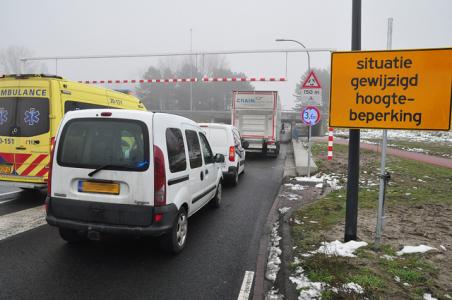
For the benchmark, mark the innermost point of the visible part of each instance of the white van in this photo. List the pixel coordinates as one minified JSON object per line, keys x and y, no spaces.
{"x":225,"y":139}
{"x":130,"y":172}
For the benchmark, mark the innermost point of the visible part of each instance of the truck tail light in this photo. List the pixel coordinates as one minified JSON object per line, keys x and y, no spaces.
{"x":159,"y":178}
{"x":232,"y":153}
{"x":49,"y":179}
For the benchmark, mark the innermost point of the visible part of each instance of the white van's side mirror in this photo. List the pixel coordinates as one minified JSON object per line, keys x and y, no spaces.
{"x":219,"y":158}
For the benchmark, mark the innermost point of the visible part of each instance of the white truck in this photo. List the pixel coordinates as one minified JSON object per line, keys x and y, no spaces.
{"x":257,"y":115}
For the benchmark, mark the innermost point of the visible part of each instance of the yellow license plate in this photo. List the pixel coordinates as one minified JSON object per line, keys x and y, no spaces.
{"x":5,"y":169}
{"x":98,"y":187}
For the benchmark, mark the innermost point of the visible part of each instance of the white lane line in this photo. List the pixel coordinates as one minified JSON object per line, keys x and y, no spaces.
{"x":21,"y":221}
{"x":6,"y":201}
{"x":247,"y":283}
{"x":9,"y":193}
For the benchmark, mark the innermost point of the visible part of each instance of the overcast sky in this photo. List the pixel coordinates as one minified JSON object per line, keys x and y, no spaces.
{"x":90,"y":27}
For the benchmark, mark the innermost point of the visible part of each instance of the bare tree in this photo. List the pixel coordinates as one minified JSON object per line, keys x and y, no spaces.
{"x":10,"y":61}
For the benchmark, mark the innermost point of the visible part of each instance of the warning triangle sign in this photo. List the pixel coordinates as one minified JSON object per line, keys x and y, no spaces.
{"x":311,"y":82}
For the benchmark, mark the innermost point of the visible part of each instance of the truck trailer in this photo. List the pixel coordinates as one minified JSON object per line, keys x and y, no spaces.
{"x":257,"y":115}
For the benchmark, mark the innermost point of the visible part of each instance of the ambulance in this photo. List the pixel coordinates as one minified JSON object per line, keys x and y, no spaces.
{"x":31,"y":108}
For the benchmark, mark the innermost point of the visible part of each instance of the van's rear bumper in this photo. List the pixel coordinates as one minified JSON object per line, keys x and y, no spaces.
{"x":120,"y":219}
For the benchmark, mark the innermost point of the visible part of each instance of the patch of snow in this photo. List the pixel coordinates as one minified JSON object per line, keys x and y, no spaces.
{"x":406,"y":284}
{"x":319,"y":185}
{"x":294,"y":187}
{"x":273,"y":295}
{"x":308,"y":289}
{"x":387,"y":257}
{"x":313,"y":222}
{"x":292,"y":197}
{"x":447,"y":296}
{"x":331,"y":180}
{"x":298,"y":222}
{"x":397,"y":278}
{"x":274,"y":252}
{"x":407,"y":135}
{"x":429,"y":297}
{"x":415,"y":249}
{"x":337,"y":248}
{"x":353,"y":287}
{"x":283,"y":210}
{"x":442,"y":247}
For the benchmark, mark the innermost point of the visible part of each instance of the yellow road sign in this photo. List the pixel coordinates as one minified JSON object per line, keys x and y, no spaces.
{"x":407,"y":89}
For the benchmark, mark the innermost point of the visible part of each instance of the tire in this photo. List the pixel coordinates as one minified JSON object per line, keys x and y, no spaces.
{"x":216,"y":201}
{"x":235,"y":178}
{"x":175,"y":240}
{"x":71,"y":236}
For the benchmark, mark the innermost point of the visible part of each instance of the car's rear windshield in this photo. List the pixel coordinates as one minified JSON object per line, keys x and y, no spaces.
{"x":114,"y":144}
{"x":24,"y":116}
{"x":218,"y":137}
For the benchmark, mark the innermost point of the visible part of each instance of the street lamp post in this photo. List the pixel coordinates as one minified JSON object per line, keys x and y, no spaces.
{"x":299,"y":43}
{"x":309,"y":71}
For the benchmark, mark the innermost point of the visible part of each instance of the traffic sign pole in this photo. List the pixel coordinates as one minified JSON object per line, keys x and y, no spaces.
{"x":351,"y":207}
{"x":310,"y":116}
{"x":309,"y":151}
{"x":382,"y":190}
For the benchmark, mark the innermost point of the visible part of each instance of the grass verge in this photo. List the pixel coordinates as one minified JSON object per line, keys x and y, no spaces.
{"x":381,"y":273}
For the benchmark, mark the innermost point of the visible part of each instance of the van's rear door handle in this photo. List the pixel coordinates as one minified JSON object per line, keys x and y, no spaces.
{"x":21,"y":148}
{"x":202,"y":175}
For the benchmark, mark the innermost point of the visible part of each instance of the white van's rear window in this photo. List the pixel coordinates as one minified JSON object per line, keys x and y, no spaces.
{"x":115,"y":143}
{"x":218,"y":137}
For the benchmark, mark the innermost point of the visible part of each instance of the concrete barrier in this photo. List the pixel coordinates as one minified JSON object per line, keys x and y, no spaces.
{"x":301,"y":159}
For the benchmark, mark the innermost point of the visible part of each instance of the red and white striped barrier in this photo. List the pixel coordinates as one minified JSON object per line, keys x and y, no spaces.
{"x":185,"y":80}
{"x":330,"y":143}
{"x":246,"y":79}
{"x":170,"y":80}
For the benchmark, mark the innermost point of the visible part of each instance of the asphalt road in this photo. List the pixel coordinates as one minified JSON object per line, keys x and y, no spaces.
{"x":222,"y":244}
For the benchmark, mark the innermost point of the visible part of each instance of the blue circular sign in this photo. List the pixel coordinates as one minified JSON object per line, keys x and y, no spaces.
{"x":310,"y":115}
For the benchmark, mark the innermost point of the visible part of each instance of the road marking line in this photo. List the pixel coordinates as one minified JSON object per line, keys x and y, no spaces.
{"x":21,"y":221}
{"x":9,"y":193}
{"x":6,"y":201}
{"x":247,"y":283}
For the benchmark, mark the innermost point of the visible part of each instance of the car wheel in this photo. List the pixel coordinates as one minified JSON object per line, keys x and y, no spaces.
{"x":175,"y":240}
{"x":235,"y":178}
{"x":216,"y":201}
{"x":71,"y":236}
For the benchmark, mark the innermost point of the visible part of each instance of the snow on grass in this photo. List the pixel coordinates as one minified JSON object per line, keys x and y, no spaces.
{"x":308,"y":289}
{"x":408,"y":135}
{"x":415,"y":249}
{"x":313,"y":290}
{"x":442,"y":247}
{"x":429,"y":297}
{"x":387,"y":257}
{"x":321,"y":179}
{"x":274,"y":252}
{"x":337,"y":248}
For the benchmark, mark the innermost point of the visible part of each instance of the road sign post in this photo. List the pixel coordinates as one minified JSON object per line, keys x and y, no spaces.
{"x":310,"y":116}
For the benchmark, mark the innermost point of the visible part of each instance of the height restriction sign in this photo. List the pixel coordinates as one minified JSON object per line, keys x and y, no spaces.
{"x":311,"y":90}
{"x":396,"y":89}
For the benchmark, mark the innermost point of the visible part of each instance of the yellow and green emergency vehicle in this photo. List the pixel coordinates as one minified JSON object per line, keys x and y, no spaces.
{"x":31,"y":108}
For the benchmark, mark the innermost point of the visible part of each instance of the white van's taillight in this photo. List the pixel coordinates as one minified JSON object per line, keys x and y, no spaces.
{"x":49,"y":178}
{"x":232,"y":153}
{"x":159,"y":178}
